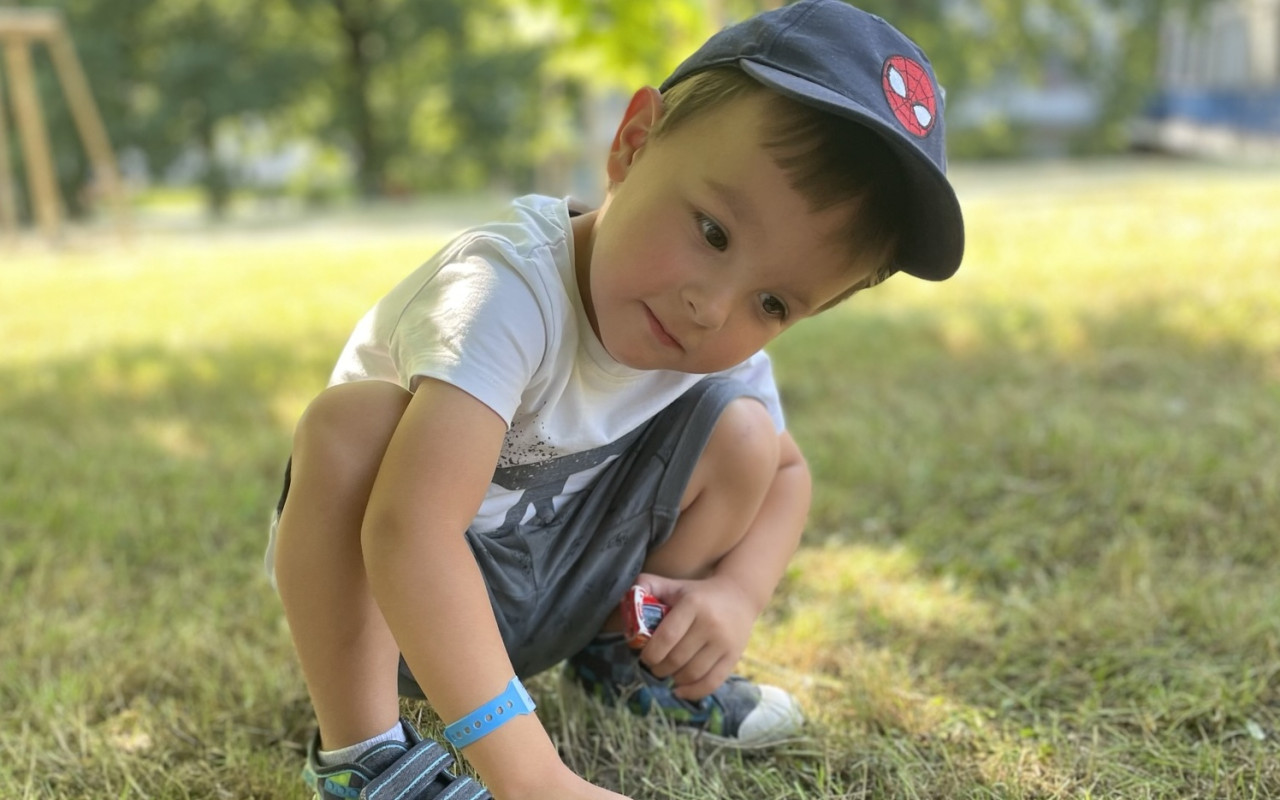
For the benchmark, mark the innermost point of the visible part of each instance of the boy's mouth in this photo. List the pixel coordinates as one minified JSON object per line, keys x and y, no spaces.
{"x":660,"y":332}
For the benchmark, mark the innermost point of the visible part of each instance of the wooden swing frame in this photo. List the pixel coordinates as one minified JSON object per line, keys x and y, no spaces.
{"x":20,"y":30}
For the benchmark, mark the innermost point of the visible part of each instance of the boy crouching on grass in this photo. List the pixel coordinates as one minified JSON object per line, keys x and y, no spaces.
{"x":558,"y":406}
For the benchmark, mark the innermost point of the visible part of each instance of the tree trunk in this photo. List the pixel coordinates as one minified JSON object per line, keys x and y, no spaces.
{"x":355,"y":18}
{"x":215,"y":180}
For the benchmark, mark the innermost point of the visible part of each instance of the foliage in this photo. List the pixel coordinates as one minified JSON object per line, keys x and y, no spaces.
{"x":181,"y":80}
{"x":456,"y":94}
{"x":1041,"y":560}
{"x":996,"y":45}
{"x":211,"y":62}
{"x":418,"y":93}
{"x":627,"y":45}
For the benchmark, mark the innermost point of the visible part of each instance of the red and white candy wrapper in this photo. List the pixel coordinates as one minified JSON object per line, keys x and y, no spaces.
{"x":641,"y":613}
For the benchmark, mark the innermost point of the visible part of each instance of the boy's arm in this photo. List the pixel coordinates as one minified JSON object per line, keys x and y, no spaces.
{"x":429,"y":588}
{"x":758,"y":562}
{"x":727,"y":602}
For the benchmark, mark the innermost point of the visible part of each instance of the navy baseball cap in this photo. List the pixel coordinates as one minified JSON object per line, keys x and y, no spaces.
{"x":842,"y":60}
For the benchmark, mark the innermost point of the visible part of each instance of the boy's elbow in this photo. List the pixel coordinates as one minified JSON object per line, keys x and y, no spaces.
{"x":402,"y":527}
{"x":794,"y":477}
{"x":791,"y":460}
{"x":386,"y":534}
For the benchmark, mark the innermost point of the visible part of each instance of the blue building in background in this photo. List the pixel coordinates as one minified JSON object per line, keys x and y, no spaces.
{"x":1219,"y":78}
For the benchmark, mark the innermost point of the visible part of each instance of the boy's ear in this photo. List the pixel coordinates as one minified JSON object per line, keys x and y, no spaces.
{"x":643,"y":112}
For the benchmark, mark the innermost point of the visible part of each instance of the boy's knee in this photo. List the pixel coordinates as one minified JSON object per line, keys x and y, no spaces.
{"x":350,"y":425}
{"x":743,"y":449}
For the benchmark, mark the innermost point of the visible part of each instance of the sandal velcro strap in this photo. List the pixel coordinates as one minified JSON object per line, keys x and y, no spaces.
{"x":464,"y":789}
{"x":414,"y":775}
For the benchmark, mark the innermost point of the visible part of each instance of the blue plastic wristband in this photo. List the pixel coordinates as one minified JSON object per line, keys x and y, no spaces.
{"x":513,"y":702}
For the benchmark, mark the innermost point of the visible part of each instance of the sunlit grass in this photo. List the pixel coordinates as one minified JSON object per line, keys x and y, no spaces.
{"x":1040,"y":563}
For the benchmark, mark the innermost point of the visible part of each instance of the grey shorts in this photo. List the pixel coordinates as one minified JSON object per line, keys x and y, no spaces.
{"x":555,"y":578}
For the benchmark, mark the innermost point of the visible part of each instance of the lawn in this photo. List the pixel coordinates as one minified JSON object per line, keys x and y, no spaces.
{"x":1041,"y":561}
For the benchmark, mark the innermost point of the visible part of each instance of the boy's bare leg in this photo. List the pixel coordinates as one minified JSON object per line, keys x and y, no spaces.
{"x":348,"y":656}
{"x":724,"y":493}
{"x":741,"y":518}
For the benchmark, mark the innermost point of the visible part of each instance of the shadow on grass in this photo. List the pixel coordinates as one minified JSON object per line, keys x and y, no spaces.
{"x":121,"y":445}
{"x":1063,"y":527}
{"x":1072,"y":523}
{"x":143,"y":647}
{"x":1123,"y":417}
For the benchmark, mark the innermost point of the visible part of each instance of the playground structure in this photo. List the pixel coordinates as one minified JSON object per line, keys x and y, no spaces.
{"x":20,"y":30}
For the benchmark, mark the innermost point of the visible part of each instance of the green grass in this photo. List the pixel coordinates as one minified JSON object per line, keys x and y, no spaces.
{"x":1041,"y":560}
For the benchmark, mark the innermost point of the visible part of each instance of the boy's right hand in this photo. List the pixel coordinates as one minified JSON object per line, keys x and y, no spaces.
{"x":703,"y":634}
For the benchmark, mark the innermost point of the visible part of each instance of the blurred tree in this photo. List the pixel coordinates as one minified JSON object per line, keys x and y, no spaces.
{"x":454,"y":94}
{"x":434,"y":95}
{"x":596,"y":51}
{"x":208,"y":63}
{"x":169,"y":74}
{"x":630,"y":45}
{"x":1108,"y":45}
{"x":427,"y":88}
{"x":363,"y":43}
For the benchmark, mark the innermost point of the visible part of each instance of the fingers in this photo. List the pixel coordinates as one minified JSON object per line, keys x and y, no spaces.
{"x":699,"y":675}
{"x":665,"y":589}
{"x":699,"y":640}
{"x":670,"y":647}
{"x":702,"y":674}
{"x":696,"y":689}
{"x":696,"y":662}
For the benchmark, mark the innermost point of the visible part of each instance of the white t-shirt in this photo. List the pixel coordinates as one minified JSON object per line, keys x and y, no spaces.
{"x":497,"y":313}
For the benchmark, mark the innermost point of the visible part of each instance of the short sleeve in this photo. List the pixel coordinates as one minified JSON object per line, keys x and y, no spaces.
{"x":475,"y":324}
{"x":757,"y":372}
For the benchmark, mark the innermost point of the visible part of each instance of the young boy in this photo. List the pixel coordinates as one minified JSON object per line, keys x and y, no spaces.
{"x":558,"y":406}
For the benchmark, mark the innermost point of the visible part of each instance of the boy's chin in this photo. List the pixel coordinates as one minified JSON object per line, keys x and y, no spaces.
{"x":641,"y":361}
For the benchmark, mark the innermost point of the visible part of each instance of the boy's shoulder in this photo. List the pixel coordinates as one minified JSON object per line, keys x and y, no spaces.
{"x":532,"y":222}
{"x":524,"y":253}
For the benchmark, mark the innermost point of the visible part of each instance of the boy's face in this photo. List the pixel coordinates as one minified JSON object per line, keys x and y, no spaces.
{"x":702,"y":252}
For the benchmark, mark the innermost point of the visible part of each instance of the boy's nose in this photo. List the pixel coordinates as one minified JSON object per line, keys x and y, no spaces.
{"x":708,"y":305}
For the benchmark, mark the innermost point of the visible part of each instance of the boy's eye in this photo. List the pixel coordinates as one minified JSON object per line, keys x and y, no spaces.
{"x":773,"y":306}
{"x":712,"y":232}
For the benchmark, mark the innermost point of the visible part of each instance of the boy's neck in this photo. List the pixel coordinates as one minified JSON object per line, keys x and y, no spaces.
{"x":583,"y":227}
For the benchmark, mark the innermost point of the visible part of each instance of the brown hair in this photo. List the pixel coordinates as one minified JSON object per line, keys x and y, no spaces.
{"x":830,"y":161}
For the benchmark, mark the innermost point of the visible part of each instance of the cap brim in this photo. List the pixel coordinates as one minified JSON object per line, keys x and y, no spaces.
{"x":934,"y":245}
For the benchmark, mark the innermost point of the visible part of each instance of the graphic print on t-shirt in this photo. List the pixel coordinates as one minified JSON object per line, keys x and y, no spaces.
{"x":542,"y":482}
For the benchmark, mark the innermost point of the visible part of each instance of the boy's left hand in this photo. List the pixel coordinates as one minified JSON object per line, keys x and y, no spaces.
{"x":703,"y":635}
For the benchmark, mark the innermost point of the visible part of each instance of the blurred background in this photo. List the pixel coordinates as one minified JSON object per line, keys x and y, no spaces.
{"x":218,"y":105}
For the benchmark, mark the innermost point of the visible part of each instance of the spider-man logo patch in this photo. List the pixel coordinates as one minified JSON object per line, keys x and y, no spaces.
{"x":910,"y":94}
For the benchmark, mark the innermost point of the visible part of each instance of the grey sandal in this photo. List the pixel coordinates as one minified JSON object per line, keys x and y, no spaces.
{"x":414,"y":770}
